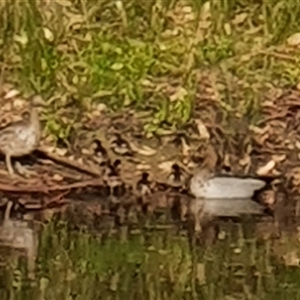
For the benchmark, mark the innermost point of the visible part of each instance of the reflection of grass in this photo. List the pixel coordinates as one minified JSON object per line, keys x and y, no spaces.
{"x":127,"y":53}
{"x":127,"y":269}
{"x":158,"y":265}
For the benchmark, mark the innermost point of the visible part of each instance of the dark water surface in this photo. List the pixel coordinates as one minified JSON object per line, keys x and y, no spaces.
{"x":249,"y":258}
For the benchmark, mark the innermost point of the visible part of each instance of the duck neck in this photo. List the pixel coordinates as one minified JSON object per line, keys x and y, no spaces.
{"x":34,"y":118}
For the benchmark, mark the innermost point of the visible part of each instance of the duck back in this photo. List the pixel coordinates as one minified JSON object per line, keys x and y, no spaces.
{"x":226,"y":188}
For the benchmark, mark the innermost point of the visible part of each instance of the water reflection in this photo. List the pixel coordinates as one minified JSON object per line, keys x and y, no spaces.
{"x":18,"y":235}
{"x":247,"y":258}
{"x":203,"y":210}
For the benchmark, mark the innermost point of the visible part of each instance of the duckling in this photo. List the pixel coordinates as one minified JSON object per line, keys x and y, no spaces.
{"x":116,"y":185}
{"x":120,"y":146}
{"x":22,"y":137}
{"x":100,"y":152}
{"x":176,"y":178}
{"x":114,"y":168}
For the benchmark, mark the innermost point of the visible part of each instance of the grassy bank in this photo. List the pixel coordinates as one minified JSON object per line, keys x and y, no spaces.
{"x":163,"y":58}
{"x":148,"y":55}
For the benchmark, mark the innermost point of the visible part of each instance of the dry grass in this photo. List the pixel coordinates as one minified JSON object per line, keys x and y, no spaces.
{"x":125,"y":53}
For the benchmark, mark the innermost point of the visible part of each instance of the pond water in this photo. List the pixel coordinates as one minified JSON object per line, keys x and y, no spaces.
{"x":70,"y":258}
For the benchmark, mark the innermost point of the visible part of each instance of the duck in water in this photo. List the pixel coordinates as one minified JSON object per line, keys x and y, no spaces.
{"x":223,"y":196}
{"x":206,"y":186}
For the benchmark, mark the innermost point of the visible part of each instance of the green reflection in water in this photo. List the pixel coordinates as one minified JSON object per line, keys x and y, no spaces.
{"x":157,"y":264}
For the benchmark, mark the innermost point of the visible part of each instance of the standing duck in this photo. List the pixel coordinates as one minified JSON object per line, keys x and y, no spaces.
{"x":21,"y":138}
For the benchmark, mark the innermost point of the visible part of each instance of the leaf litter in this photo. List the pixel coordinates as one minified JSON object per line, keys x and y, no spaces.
{"x":116,"y":166}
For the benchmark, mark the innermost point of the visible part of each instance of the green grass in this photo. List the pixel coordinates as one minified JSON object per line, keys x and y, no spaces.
{"x":139,"y":53}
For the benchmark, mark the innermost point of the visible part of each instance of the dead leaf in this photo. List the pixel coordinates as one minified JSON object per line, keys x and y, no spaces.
{"x":297,"y":144}
{"x":227,"y":28}
{"x":143,"y":150}
{"x":143,"y":167}
{"x":61,"y":151}
{"x":202,"y":130}
{"x":57,"y":177}
{"x":11,"y":94}
{"x":180,"y":94}
{"x":294,"y":40}
{"x":245,"y":161}
{"x":166,"y":166}
{"x":266,"y":169}
{"x":258,"y":130}
{"x":18,"y":103}
{"x":291,"y":258}
{"x":240,"y":18}
{"x":48,"y":34}
{"x":80,"y":160}
{"x":279,"y":157}
{"x":185,"y":147}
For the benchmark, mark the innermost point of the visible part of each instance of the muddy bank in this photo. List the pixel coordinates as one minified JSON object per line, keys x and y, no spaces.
{"x":111,"y":162}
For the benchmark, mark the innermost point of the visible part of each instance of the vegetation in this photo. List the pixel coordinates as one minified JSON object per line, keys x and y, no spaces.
{"x":147,"y":55}
{"x":151,"y":56}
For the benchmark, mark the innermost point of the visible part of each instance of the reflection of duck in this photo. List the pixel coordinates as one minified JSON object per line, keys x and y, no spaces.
{"x":228,"y":207}
{"x":17,"y":234}
{"x":22,"y":137}
{"x":143,"y":185}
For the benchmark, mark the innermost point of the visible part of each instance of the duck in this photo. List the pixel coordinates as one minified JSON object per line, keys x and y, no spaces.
{"x":120,"y":146}
{"x":225,"y":196}
{"x":22,"y":137}
{"x":205,"y":185}
{"x":177,"y":177}
{"x":112,"y":177}
{"x":100,"y":153}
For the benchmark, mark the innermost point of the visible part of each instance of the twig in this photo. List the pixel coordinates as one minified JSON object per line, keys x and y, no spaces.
{"x":72,"y":164}
{"x":46,"y":189}
{"x":278,"y":55}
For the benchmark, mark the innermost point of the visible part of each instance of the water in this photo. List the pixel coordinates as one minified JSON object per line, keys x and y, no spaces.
{"x":87,"y":255}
